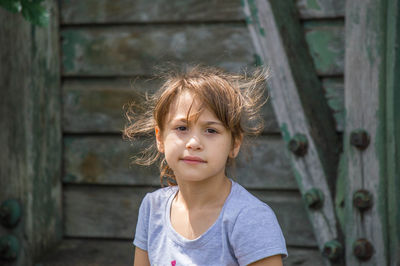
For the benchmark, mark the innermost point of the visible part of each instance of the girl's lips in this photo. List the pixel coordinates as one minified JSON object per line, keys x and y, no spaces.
{"x":193,"y":160}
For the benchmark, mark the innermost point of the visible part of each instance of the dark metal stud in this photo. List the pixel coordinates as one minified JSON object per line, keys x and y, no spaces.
{"x":332,"y":250}
{"x":314,"y":198}
{"x":360,"y":139}
{"x":362,"y":199}
{"x":298,"y":145}
{"x":363,"y":249}
{"x":9,"y":247}
{"x":10,"y":213}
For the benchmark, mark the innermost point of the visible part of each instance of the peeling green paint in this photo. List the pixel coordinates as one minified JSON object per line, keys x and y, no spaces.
{"x":254,"y":14}
{"x":71,"y":39}
{"x":285,"y":132}
{"x":313,"y":4}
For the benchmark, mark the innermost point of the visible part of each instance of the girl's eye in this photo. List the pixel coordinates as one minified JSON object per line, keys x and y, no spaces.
{"x":210,"y":130}
{"x":181,"y":128}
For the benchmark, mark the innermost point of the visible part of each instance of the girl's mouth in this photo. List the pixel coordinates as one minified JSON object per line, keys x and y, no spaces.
{"x":193,"y":160}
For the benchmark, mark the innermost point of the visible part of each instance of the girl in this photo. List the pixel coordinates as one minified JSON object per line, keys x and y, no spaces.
{"x":203,"y":217}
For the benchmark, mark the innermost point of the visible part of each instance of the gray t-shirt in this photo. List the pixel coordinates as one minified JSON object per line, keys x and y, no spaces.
{"x":245,"y":231}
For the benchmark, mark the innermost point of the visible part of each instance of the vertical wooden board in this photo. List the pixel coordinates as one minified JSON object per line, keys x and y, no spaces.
{"x":325,"y":40}
{"x":364,"y":91}
{"x":140,"y":50}
{"x":30,"y":118}
{"x":310,"y":9}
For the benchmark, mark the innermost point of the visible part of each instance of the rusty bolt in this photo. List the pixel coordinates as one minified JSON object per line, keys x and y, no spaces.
{"x":10,"y":213}
{"x":9,"y":247}
{"x":360,"y":139}
{"x":362,"y":199}
{"x":314,"y":198}
{"x":363,"y":249}
{"x":332,"y":250}
{"x":298,"y":144}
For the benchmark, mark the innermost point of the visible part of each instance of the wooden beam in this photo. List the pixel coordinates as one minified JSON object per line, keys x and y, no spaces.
{"x":300,"y":107}
{"x":30,"y":121}
{"x":366,"y":104}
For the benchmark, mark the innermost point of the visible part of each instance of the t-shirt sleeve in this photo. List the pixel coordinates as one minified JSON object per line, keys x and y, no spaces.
{"x":256,"y":235}
{"x":141,"y":233}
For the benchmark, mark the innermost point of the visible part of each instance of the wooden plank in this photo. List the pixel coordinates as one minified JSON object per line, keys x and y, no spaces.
{"x":393,"y":129}
{"x":111,"y":212}
{"x":106,"y":160}
{"x":334,"y":94}
{"x":30,"y":118}
{"x":95,"y":105}
{"x":320,"y":8}
{"x":364,"y":86}
{"x":164,"y":11}
{"x":325,"y":41}
{"x":138,"y":50}
{"x":294,"y":90}
{"x":97,"y":252}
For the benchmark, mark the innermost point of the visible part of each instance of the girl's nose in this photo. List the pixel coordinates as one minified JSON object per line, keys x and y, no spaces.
{"x":194,"y":143}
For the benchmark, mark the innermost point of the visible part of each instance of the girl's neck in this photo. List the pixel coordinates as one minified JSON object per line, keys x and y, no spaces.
{"x":206,"y":194}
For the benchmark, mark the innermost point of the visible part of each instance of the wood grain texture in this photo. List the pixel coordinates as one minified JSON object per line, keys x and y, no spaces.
{"x":30,"y":118}
{"x":325,"y":41}
{"x":164,"y":11}
{"x":140,"y":50}
{"x":96,"y":105}
{"x":364,"y":89}
{"x":98,"y":252}
{"x":277,"y":38}
{"x":111,"y":212}
{"x":334,"y":95}
{"x":106,"y":160}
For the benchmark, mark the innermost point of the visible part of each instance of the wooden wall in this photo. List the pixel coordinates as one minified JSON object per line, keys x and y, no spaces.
{"x":108,"y":44}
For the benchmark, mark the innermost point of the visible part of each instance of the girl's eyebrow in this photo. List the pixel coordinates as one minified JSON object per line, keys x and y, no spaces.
{"x":211,"y":122}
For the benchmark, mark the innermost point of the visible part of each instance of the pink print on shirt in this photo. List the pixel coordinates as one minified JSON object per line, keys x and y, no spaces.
{"x":173,"y":263}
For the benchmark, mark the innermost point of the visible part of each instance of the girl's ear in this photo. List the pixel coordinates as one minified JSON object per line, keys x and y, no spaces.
{"x":236,"y":147}
{"x":160,"y":144}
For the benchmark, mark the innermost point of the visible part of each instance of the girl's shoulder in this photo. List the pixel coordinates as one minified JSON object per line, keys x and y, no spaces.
{"x":243,"y":199}
{"x":159,"y":196}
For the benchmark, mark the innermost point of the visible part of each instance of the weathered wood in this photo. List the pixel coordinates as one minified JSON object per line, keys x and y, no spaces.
{"x":334,"y":94}
{"x":30,"y":118}
{"x":111,"y":212}
{"x":298,"y":102}
{"x":124,"y":11}
{"x":96,"y":252}
{"x":393,"y":129}
{"x":320,"y":8}
{"x":93,"y":105}
{"x":364,"y":87}
{"x":138,"y":50}
{"x":326,"y":45}
{"x":106,"y":160}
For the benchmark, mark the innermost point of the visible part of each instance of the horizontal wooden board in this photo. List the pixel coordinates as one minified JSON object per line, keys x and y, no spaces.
{"x":93,"y":105}
{"x":106,"y":160}
{"x":97,"y":252}
{"x":96,"y":105}
{"x":162,"y":11}
{"x":325,"y":41}
{"x":111,"y":212}
{"x":139,"y":50}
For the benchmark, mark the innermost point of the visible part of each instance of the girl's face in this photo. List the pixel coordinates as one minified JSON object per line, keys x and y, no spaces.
{"x":197,"y":151}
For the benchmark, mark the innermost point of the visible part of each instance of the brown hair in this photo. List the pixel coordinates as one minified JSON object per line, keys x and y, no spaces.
{"x":234,"y":99}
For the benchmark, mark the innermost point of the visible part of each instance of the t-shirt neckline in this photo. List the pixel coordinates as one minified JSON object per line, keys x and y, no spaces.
{"x":205,"y":237}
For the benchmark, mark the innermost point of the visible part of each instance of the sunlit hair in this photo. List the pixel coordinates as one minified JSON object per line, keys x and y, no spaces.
{"x":235,"y":100}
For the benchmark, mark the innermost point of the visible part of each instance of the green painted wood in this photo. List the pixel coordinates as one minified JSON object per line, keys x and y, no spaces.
{"x":310,"y":9}
{"x":334,"y":94}
{"x":96,"y":105}
{"x":326,"y":45}
{"x":163,"y":11}
{"x":106,"y":160}
{"x":30,"y":118}
{"x":393,"y":129}
{"x":100,"y":252}
{"x":299,"y":104}
{"x":137,"y":50}
{"x":365,"y":108}
{"x":111,"y":212}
